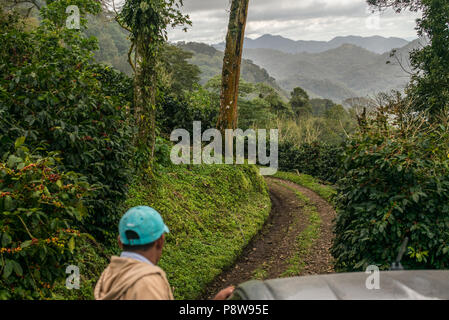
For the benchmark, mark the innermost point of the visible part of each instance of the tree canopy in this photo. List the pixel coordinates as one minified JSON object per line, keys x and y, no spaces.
{"x":300,"y":102}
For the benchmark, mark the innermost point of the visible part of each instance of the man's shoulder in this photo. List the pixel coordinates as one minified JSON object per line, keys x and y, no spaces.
{"x":131,"y":279}
{"x":154,"y":278}
{"x":152,"y":286}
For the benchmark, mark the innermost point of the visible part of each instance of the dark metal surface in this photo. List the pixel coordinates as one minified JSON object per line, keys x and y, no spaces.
{"x":394,"y":285}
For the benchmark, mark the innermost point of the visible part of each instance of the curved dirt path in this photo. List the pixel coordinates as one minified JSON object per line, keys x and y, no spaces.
{"x":319,"y":261}
{"x":270,"y":250}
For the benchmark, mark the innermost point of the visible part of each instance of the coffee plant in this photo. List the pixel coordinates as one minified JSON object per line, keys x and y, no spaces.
{"x":39,"y":207}
{"x":316,"y":159}
{"x":52,"y":94}
{"x":395,"y":184}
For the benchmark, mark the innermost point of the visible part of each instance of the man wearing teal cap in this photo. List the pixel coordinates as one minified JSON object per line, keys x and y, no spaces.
{"x":135,"y":274}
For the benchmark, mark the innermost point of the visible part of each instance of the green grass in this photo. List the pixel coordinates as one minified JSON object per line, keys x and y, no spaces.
{"x":325,"y":191}
{"x":212,"y":212}
{"x":261,"y":272}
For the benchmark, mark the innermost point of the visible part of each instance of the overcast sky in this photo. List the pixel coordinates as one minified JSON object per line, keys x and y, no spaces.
{"x":295,"y":19}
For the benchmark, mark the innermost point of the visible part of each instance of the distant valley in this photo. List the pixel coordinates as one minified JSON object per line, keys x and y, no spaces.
{"x":346,"y":71}
{"x":337,"y":74}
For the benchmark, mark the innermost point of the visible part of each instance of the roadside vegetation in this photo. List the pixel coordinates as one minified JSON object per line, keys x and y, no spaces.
{"x":212,"y":212}
{"x":394,"y":170}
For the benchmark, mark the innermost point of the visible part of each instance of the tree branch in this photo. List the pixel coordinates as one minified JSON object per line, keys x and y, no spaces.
{"x":129,"y":57}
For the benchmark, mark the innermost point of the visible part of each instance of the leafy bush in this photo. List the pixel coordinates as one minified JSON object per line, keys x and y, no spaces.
{"x":181,"y":112}
{"x":51,"y":94}
{"x":39,"y":207}
{"x":395,"y":184}
{"x":315,"y":159}
{"x":114,"y":84}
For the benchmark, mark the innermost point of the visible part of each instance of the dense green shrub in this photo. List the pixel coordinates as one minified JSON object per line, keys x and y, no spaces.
{"x":181,"y":112}
{"x":114,"y":84}
{"x":395,"y":184}
{"x":316,"y":159}
{"x":429,"y":88}
{"x":39,"y":208}
{"x":51,"y":94}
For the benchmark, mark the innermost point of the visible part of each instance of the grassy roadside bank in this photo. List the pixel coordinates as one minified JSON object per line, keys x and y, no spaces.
{"x":212,"y":212}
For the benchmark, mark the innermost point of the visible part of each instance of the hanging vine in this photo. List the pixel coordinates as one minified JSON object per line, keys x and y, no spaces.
{"x":147,"y":21}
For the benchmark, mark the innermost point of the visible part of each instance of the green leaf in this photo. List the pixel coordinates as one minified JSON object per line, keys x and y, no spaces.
{"x":89,"y":237}
{"x":25,"y":244}
{"x":8,"y":269}
{"x":8,"y":203}
{"x":17,"y":268}
{"x":71,"y":244}
{"x":12,"y":160}
{"x":6,"y":239}
{"x":19,"y":142}
{"x":81,"y":209}
{"x":43,"y":253}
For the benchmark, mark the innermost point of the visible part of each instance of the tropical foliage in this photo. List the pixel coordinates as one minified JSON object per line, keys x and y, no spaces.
{"x":41,"y":208}
{"x":53,"y":95}
{"x":394,"y":184}
{"x":394,"y":178}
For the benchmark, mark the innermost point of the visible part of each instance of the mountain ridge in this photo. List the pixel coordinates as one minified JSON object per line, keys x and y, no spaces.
{"x":377,"y":44}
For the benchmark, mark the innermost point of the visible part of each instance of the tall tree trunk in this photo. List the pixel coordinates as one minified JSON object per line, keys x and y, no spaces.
{"x":231,"y":65}
{"x":145,"y":95}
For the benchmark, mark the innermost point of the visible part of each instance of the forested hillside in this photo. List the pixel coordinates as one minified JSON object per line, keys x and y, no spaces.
{"x":343,"y":68}
{"x":341,"y":73}
{"x":210,"y":61}
{"x":114,"y":45}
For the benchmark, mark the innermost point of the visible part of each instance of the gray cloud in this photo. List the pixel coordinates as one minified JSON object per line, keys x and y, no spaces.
{"x":298,"y":20}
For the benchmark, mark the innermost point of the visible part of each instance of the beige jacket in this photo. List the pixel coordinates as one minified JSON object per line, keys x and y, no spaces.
{"x":129,"y":279}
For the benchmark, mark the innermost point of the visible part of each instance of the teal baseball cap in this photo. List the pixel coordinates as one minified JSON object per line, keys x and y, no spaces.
{"x":145,"y":222}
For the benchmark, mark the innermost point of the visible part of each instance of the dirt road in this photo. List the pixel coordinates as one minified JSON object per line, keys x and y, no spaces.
{"x":269,"y":254}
